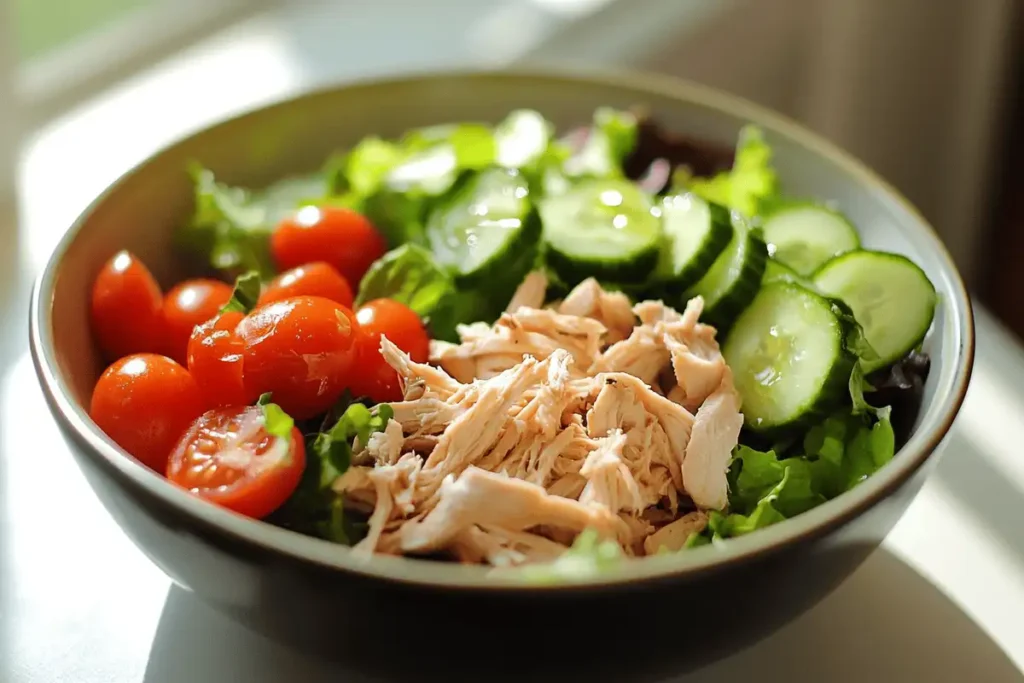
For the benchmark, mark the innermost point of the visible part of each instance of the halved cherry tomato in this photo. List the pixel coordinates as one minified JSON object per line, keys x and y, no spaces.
{"x":126,"y":308}
{"x":300,"y":350}
{"x":372,"y":376}
{"x":215,"y":361}
{"x":312,"y":279}
{"x":229,"y":458}
{"x":144,"y":402}
{"x":341,"y":237}
{"x":188,"y":304}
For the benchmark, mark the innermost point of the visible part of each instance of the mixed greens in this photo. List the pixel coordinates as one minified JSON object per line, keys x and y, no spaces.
{"x":654,"y":215}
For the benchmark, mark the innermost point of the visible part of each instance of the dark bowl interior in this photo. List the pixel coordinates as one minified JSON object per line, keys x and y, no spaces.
{"x":415,"y":618}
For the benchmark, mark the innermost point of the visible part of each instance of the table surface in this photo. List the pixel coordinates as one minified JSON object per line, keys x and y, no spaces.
{"x":78,"y":603}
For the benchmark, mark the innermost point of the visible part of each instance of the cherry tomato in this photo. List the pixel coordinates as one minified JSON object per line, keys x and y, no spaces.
{"x":228,"y":457}
{"x":300,"y":350}
{"x":188,"y":304}
{"x":215,"y":361}
{"x":126,"y":308}
{"x":144,"y":402}
{"x":312,"y":279}
{"x":372,"y":376}
{"x":341,"y":237}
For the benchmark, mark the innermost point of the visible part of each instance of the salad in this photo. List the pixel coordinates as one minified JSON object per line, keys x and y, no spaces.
{"x":501,"y":346}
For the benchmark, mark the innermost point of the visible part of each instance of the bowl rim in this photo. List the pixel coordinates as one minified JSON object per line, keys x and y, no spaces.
{"x":288,"y":545}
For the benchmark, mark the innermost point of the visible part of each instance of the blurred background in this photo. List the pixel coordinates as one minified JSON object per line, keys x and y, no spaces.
{"x":924,"y":91}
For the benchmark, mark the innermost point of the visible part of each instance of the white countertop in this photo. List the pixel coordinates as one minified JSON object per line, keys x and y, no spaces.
{"x":941,"y":601}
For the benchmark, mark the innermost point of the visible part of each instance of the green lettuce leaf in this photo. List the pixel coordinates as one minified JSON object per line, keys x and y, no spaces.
{"x":315,"y":508}
{"x":749,"y":186}
{"x":277,"y":422}
{"x":333,"y":448}
{"x":410,"y":275}
{"x":612,"y":138}
{"x":245,"y":294}
{"x":764,"y":489}
{"x":589,"y":556}
{"x":230,"y":226}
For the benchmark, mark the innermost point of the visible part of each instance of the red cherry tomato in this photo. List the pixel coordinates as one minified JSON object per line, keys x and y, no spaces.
{"x":215,"y":361}
{"x":300,"y":350}
{"x":341,"y":237}
{"x":227,"y":457}
{"x":126,"y":308}
{"x":188,"y":304}
{"x":312,"y":279}
{"x":372,"y":376}
{"x":144,"y":402}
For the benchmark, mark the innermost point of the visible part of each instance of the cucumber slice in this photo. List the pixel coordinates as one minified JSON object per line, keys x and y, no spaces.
{"x":604,"y":228}
{"x":891,"y":298}
{"x":696,"y":233}
{"x":789,"y":358}
{"x":805,"y":236}
{"x":774,"y":271}
{"x":735,"y":278}
{"x":482,"y":223}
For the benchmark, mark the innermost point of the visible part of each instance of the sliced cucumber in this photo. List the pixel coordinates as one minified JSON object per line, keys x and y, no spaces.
{"x":695,"y":233}
{"x":804,"y":236}
{"x":774,"y":271}
{"x":604,"y":228}
{"x":891,"y":297}
{"x":735,"y":277}
{"x":482,"y":224}
{"x":788,"y":356}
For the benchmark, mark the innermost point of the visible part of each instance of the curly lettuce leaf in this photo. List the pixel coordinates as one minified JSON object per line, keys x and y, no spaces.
{"x":764,"y":489}
{"x":748,"y":187}
{"x":333,"y":448}
{"x":410,"y":275}
{"x":230,"y":226}
{"x":315,"y":508}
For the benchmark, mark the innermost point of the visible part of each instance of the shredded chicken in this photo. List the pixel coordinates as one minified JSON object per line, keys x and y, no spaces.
{"x":591,"y":413}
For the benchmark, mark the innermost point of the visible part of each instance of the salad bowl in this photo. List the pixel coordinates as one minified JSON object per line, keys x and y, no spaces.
{"x":416,"y":618}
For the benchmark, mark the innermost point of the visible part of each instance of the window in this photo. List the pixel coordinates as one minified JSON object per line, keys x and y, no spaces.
{"x":60,"y":52}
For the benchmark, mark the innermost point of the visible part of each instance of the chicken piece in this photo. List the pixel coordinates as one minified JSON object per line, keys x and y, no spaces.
{"x":610,"y":484}
{"x":674,"y":419}
{"x":504,"y":347}
{"x":697,"y":360}
{"x":715,"y":433}
{"x":358,"y":488}
{"x":530,"y":293}
{"x":642,"y":355}
{"x":426,"y":415}
{"x":612,"y":309}
{"x":647,"y":452}
{"x":582,"y":337}
{"x":504,"y":548}
{"x":569,"y":485}
{"x":385,"y":447}
{"x":382,"y":478}
{"x":488,"y":499}
{"x":542,"y":413}
{"x":653,"y":312}
{"x":673,"y":536}
{"x":440,"y":383}
{"x":474,"y":432}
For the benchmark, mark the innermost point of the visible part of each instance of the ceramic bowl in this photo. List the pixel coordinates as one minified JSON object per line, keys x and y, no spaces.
{"x":416,"y":618}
